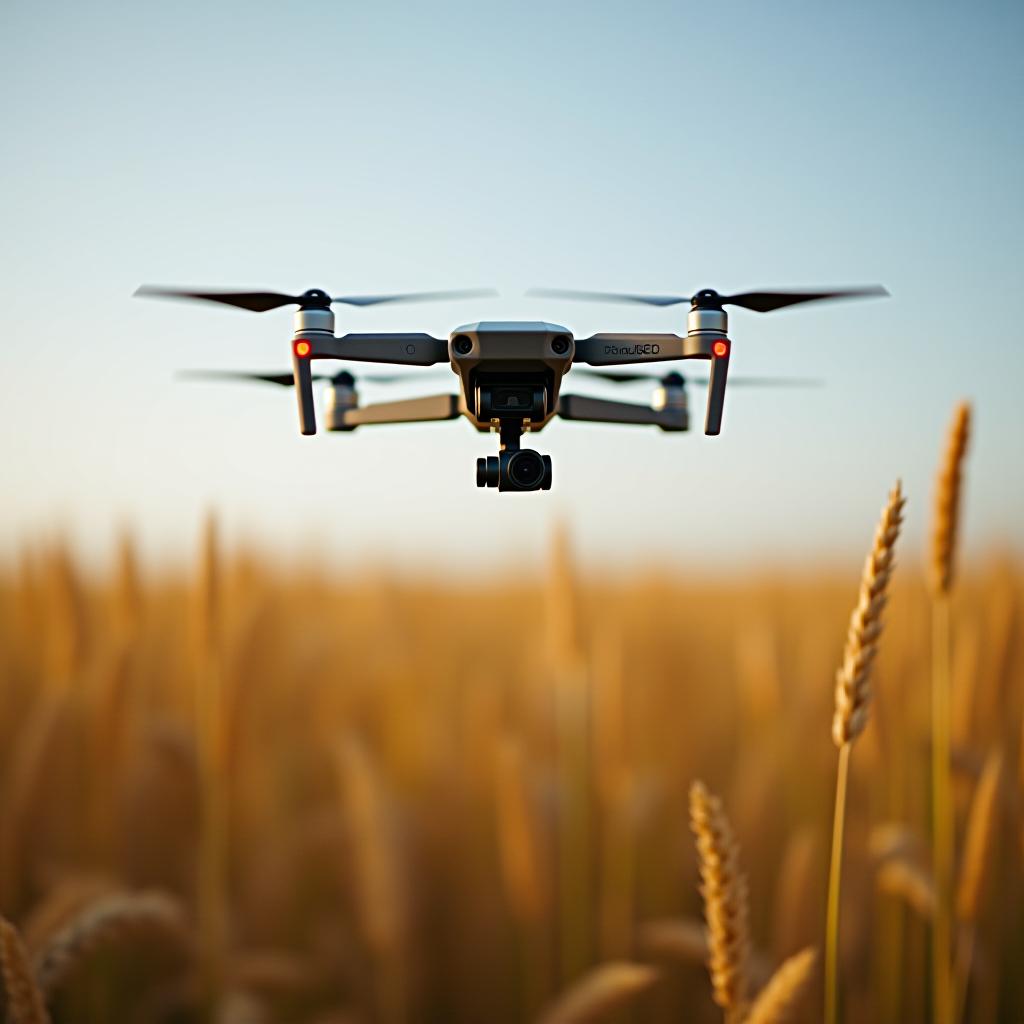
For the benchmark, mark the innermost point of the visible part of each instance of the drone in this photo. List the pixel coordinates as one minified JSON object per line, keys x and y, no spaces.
{"x":510,"y":372}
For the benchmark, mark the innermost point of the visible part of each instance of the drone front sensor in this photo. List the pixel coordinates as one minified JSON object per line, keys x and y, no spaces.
{"x":510,"y":373}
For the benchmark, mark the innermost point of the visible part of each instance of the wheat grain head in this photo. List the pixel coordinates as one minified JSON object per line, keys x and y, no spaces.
{"x":724,"y":889}
{"x":24,"y":1000}
{"x":599,"y":992}
{"x":946,"y":510}
{"x":911,"y":881}
{"x":775,"y":1003}
{"x":110,"y":920}
{"x":853,"y":679}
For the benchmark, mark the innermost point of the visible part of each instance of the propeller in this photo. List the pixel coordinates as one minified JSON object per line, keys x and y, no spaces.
{"x":708,"y":298}
{"x":314,"y":298}
{"x":287,"y":380}
{"x":676,"y":378}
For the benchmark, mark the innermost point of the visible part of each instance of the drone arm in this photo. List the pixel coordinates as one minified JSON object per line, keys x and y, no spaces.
{"x":404,"y":349}
{"x":304,"y":393}
{"x":716,"y":388}
{"x":602,"y":410}
{"x":613,"y":349}
{"x":410,"y":410}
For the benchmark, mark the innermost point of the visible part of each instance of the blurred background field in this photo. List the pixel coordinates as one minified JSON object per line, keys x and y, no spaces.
{"x":380,"y":797}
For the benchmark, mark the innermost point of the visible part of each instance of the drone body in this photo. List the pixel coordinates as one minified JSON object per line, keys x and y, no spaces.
{"x":510,"y":373}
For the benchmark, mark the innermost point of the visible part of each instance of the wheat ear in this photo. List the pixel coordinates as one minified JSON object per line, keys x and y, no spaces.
{"x":852,"y":697}
{"x":782,"y":993}
{"x":24,"y":1000}
{"x":945,"y":526}
{"x":946,"y":511}
{"x":910,"y":881}
{"x":109,"y":921}
{"x":599,"y":992}
{"x":853,"y":679}
{"x":724,"y":889}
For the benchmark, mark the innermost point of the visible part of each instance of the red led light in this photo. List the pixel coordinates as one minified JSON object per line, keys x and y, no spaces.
{"x":303,"y":348}
{"x":721,"y":349}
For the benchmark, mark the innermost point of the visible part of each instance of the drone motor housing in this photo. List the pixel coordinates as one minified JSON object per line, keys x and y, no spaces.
{"x":340,"y":396}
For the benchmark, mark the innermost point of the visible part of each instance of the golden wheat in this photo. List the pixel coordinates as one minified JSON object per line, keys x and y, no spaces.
{"x":23,"y":997}
{"x":782,"y":994}
{"x":982,"y":828}
{"x":910,"y":881}
{"x":599,"y":993}
{"x":724,"y":888}
{"x":853,"y":679}
{"x":946,"y":507}
{"x":109,"y":921}
{"x":852,"y":696}
{"x":945,"y":526}
{"x":979,"y":839}
{"x":472,"y":791}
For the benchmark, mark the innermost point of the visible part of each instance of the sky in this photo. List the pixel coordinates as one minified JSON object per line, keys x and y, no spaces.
{"x":375,"y":147}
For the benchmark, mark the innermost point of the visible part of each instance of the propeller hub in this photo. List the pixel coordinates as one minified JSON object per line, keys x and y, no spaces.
{"x":706,"y":298}
{"x":314,"y":298}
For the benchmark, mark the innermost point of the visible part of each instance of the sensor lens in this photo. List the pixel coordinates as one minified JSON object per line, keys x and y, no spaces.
{"x":526,"y":469}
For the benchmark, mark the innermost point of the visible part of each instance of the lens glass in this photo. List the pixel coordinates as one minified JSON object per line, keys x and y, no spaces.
{"x":525,"y":469}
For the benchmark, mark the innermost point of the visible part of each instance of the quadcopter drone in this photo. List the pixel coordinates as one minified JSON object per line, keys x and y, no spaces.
{"x":510,"y":372}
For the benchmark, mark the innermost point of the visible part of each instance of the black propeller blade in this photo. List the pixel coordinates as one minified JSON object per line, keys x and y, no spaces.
{"x":315,"y":298}
{"x":751,"y":382}
{"x":569,"y":293}
{"x":766,"y":302}
{"x":708,"y":298}
{"x":287,"y":379}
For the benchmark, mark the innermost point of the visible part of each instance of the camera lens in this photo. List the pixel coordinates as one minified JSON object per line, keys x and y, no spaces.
{"x":560,"y":345}
{"x":526,"y":469}
{"x":463,"y":344}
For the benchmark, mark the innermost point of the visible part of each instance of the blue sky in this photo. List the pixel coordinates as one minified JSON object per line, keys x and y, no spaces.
{"x":384,"y":146}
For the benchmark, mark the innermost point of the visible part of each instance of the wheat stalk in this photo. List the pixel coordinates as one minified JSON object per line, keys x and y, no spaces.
{"x":724,"y":889}
{"x":945,"y":526}
{"x":775,"y":1003}
{"x":109,"y":921}
{"x":852,"y":697}
{"x":978,"y":846}
{"x":599,"y":992}
{"x":24,"y":999}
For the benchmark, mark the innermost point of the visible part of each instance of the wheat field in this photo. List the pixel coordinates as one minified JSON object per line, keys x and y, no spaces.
{"x":250,"y":793}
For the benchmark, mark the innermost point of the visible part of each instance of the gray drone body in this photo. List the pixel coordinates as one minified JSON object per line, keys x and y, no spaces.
{"x":510,"y":373}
